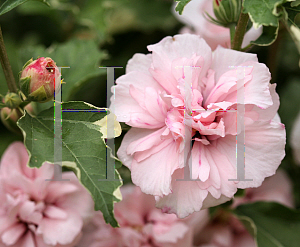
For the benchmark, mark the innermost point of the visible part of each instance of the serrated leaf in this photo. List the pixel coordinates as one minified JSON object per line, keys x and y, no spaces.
{"x":81,"y":56}
{"x":268,"y":36}
{"x":8,"y":5}
{"x":82,"y":143}
{"x":276,"y":225}
{"x":263,"y":12}
{"x":180,"y":5}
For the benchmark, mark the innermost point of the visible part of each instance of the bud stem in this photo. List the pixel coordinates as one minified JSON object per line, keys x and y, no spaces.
{"x":11,"y":83}
{"x":232,"y":31}
{"x":240,"y":31}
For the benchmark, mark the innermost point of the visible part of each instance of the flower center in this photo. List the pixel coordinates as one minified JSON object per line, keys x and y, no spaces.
{"x":187,"y":115}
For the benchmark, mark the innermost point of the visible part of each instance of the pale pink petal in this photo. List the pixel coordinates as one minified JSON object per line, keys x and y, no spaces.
{"x":153,"y":177}
{"x":60,"y":231}
{"x":134,"y":135}
{"x":145,"y":143}
{"x":72,"y":196}
{"x":170,"y":48}
{"x":126,"y":109}
{"x":175,"y":232}
{"x":186,"y":196}
{"x":224,"y":59}
{"x":130,"y":237}
{"x":46,"y":171}
{"x":12,"y":234}
{"x":277,"y":188}
{"x":53,"y":212}
{"x":14,"y":161}
{"x":200,"y":169}
{"x":214,"y":35}
{"x":269,"y":139}
{"x":139,"y":62}
{"x":251,"y":35}
{"x":193,"y":15}
{"x":136,"y":204}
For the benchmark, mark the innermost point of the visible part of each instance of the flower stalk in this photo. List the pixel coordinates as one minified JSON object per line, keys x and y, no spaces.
{"x":11,"y":83}
{"x":240,"y":31}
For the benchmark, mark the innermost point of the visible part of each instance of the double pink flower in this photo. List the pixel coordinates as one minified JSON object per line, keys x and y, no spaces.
{"x":182,"y":88}
{"x":35,"y":212}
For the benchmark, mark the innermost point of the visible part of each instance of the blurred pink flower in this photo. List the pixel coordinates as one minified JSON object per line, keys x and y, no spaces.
{"x":214,"y":35}
{"x":141,"y":225}
{"x":295,"y":139}
{"x":35,"y":212}
{"x":277,"y":188}
{"x":227,"y":231}
{"x":153,"y":98}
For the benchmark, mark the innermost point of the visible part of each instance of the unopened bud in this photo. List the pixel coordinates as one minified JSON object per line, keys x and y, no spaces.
{"x":12,"y":100}
{"x":37,"y":81}
{"x":226,"y":12}
{"x":9,"y":117}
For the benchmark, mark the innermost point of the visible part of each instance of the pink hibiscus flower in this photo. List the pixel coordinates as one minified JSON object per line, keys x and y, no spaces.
{"x":214,"y":35}
{"x":225,"y":230}
{"x":35,"y":212}
{"x":167,"y":104}
{"x":141,"y":225}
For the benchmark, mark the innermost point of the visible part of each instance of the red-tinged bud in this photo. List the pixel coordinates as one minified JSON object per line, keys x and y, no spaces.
{"x":37,"y":81}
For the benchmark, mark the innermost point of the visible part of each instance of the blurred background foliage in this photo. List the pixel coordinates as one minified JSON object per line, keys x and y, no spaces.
{"x":86,"y":34}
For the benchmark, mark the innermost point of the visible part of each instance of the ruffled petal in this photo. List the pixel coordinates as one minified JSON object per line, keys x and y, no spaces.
{"x":155,"y":177}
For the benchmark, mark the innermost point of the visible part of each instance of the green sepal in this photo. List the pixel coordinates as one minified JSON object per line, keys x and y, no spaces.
{"x":227,"y":12}
{"x":25,"y":85}
{"x":27,"y":63}
{"x":2,"y":105}
{"x":12,"y":100}
{"x":39,"y":95}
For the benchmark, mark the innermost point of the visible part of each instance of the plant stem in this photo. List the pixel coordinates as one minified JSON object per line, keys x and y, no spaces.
{"x":240,"y":32}
{"x":232,"y":31}
{"x":11,"y":83}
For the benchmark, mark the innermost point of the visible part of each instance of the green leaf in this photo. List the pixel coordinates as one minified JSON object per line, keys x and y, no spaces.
{"x":295,"y":3}
{"x":263,"y":12}
{"x":8,"y":5}
{"x":81,"y":56}
{"x":82,"y":143}
{"x":292,"y":11}
{"x":180,"y":5}
{"x":268,"y":36}
{"x":276,"y":225}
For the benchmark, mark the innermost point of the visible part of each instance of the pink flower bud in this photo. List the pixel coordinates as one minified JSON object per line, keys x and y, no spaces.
{"x":37,"y":81}
{"x":9,"y":117}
